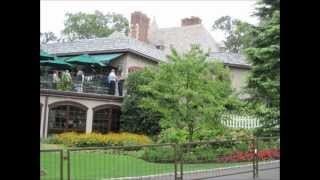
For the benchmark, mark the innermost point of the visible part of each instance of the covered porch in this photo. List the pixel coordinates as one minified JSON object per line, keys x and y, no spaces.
{"x":85,"y":113}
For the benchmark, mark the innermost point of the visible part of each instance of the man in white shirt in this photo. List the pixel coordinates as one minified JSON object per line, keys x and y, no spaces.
{"x":80,"y":80}
{"x":56,"y":79}
{"x":112,"y":78}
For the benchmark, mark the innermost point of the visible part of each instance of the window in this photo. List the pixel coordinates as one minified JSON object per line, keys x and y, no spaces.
{"x":68,"y":117}
{"x":101,"y":120}
{"x":106,"y":119}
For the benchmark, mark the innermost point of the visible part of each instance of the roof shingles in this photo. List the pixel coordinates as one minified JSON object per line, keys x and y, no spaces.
{"x":119,"y":42}
{"x":112,"y":43}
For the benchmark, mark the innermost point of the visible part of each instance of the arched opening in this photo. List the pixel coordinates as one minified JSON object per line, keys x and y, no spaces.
{"x":66,"y":117}
{"x":106,"y":119}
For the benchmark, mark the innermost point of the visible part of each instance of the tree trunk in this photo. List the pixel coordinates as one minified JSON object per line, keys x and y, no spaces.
{"x":191,"y":132}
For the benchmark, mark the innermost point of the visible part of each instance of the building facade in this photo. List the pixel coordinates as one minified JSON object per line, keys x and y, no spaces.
{"x":145,"y":46}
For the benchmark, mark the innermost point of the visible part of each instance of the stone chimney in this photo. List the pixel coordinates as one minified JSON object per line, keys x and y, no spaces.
{"x":190,"y":21}
{"x":139,"y":26}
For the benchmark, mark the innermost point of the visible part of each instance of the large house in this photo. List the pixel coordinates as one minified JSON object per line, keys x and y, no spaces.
{"x":146,"y":45}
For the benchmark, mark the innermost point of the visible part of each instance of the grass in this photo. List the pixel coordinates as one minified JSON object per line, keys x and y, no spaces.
{"x":100,"y":165}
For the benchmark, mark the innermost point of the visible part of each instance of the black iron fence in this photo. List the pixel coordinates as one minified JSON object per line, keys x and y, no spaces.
{"x":196,"y":160}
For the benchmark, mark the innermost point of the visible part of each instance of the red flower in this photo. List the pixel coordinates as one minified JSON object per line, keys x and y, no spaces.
{"x":265,"y":154}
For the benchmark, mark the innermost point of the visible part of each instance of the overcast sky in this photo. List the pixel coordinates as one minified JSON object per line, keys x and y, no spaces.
{"x":167,"y":13}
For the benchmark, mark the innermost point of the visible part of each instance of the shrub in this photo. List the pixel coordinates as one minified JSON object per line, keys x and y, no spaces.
{"x":173,"y":135}
{"x":201,"y":154}
{"x":191,"y":154}
{"x":204,"y":134}
{"x":158,"y":154}
{"x":49,"y":140}
{"x":268,"y":144}
{"x":134,"y":118}
{"x":96,"y":139}
{"x":238,"y":134}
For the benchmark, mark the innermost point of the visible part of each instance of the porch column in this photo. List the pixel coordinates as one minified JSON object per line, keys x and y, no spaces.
{"x":42,"y":121}
{"x":89,"y":120}
{"x":45,"y":118}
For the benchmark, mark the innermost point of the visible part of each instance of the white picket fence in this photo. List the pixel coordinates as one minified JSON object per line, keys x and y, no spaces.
{"x":237,"y":121}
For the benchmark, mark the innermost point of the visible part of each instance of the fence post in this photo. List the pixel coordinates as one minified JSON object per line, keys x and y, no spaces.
{"x":254,"y":158}
{"x":175,"y":161}
{"x":61,"y":164}
{"x":257,"y":157}
{"x":68,"y":165}
{"x":181,"y":157}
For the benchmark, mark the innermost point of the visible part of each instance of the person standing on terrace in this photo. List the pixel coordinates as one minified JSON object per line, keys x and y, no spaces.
{"x":56,"y":79}
{"x":120,"y":83}
{"x":80,"y":80}
{"x":112,"y":78}
{"x":66,"y":81}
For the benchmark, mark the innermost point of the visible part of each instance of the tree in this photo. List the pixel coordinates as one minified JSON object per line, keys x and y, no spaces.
{"x":264,"y":54}
{"x":84,"y":26}
{"x":234,"y":30}
{"x":47,"y":37}
{"x":134,"y":118}
{"x":186,"y":93}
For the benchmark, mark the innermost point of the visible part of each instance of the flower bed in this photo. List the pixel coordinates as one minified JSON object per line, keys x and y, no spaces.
{"x":72,"y":139}
{"x":266,"y":154}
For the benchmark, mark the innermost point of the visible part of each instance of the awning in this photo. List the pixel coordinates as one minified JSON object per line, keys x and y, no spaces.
{"x":100,"y":60}
{"x":45,"y":56}
{"x":84,"y":60}
{"x":106,"y":58}
{"x":57,"y":62}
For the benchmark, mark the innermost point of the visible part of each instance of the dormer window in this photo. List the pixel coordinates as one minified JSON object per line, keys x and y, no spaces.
{"x":161,"y":47}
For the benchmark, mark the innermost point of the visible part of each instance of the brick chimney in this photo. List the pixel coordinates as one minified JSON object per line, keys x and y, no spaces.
{"x":139,"y":26}
{"x":190,"y":21}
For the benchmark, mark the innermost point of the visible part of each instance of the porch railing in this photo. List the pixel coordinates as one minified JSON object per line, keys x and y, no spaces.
{"x":96,"y":86}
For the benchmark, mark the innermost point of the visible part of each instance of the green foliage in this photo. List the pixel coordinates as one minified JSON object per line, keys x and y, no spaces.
{"x":204,"y":133}
{"x":158,"y":154}
{"x":207,"y":133}
{"x":47,"y":37}
{"x":84,"y":26}
{"x":265,"y":8}
{"x":239,"y":134}
{"x":173,"y":135}
{"x":195,"y":153}
{"x":185,"y":92}
{"x":269,"y":144}
{"x":134,"y":118}
{"x":49,"y":140}
{"x":234,"y":30}
{"x":263,"y":52}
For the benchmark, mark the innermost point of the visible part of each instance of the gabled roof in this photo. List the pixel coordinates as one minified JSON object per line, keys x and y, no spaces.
{"x":231,"y":59}
{"x":115,"y":42}
{"x":118,"y":42}
{"x":182,"y":37}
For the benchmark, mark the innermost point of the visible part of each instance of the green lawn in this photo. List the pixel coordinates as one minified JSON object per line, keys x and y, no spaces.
{"x":99,"y":165}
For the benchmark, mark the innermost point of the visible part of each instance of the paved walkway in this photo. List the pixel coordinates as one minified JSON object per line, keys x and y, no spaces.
{"x":271,"y":174}
{"x":267,"y":171}
{"x":242,"y":172}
